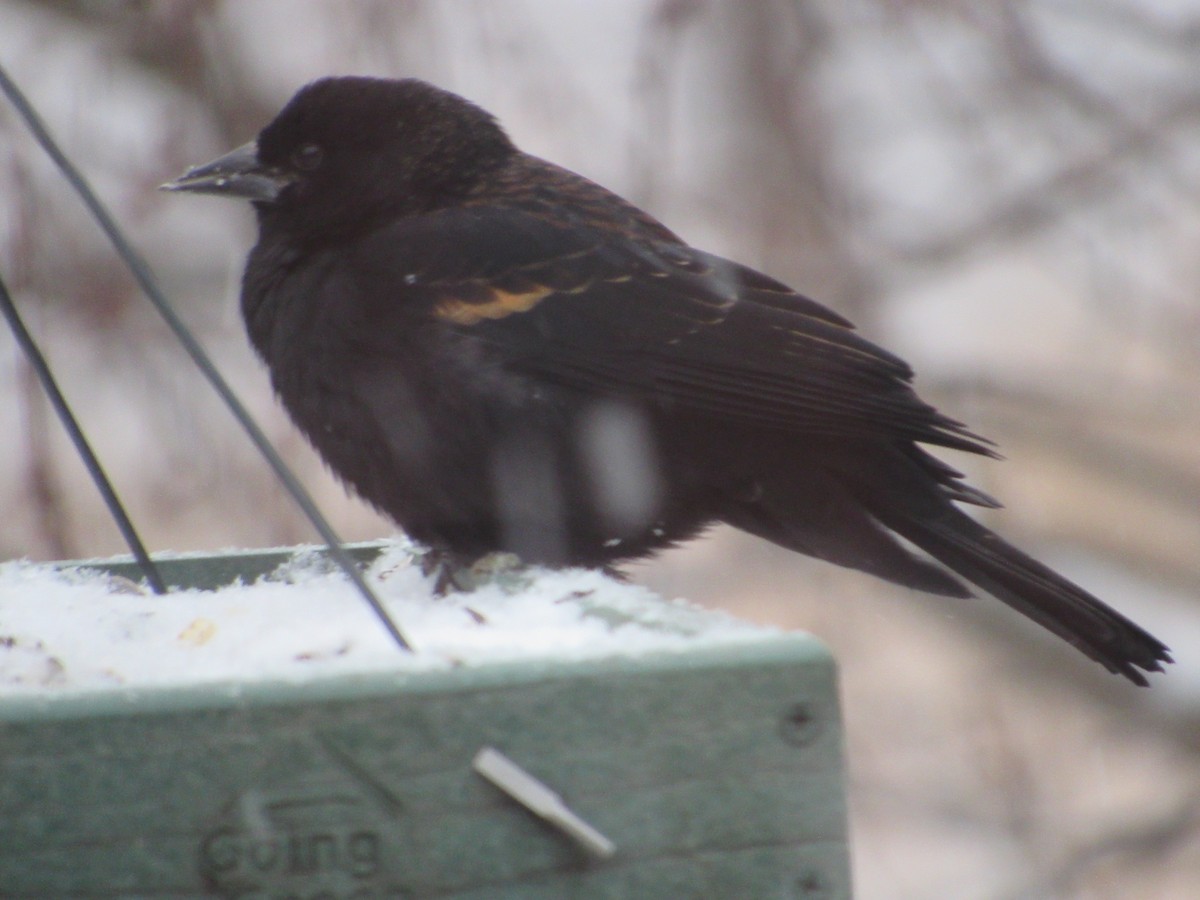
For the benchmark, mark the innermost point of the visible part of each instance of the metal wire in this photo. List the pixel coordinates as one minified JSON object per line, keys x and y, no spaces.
{"x":141,"y":272}
{"x":90,"y":461}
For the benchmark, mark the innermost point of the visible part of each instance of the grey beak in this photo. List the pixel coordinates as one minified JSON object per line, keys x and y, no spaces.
{"x":236,"y":174}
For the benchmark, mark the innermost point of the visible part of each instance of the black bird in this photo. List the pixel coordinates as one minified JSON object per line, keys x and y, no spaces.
{"x":504,"y":356}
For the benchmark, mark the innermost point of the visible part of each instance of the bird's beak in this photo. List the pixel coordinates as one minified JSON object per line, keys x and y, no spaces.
{"x":236,"y":174}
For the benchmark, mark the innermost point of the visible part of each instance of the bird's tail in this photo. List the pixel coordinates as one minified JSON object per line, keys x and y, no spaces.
{"x":1033,"y":589}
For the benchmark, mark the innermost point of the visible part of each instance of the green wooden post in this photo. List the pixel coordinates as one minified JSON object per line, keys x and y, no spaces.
{"x":715,"y":771}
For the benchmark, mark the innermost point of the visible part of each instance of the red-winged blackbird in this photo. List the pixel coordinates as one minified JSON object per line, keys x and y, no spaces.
{"x":504,"y":356}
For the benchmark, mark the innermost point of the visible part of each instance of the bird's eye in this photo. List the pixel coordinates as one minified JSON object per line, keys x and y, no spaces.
{"x":308,"y":157}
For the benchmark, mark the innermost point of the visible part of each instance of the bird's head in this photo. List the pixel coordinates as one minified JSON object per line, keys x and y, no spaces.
{"x":347,"y":153}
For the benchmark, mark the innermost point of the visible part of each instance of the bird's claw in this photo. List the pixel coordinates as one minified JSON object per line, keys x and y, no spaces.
{"x":452,"y":574}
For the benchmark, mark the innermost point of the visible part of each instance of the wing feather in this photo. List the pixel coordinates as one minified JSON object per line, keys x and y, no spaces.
{"x":607,"y":314}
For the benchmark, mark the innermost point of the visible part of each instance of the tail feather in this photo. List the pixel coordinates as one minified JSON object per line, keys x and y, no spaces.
{"x":849,"y":503}
{"x":1033,"y":589}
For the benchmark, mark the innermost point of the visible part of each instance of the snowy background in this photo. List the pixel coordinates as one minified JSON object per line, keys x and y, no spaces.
{"x":1008,"y":194}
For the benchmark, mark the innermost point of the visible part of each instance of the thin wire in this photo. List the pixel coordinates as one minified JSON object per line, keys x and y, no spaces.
{"x":71,"y":424}
{"x":141,"y":272}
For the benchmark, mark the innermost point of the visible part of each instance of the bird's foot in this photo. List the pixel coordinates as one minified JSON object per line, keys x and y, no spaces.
{"x":453,"y":573}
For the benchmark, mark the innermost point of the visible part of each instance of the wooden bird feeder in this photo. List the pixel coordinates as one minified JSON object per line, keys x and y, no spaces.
{"x":711,"y":771}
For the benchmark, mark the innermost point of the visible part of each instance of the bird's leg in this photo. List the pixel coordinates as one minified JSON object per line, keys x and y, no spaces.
{"x":454,"y":573}
{"x":442,"y":566}
{"x":611,"y":571}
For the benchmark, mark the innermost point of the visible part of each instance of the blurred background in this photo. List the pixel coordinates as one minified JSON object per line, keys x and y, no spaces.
{"x":1005,"y":193}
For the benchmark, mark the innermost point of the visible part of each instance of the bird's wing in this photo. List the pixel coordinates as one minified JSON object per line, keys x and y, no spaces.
{"x":601,"y":312}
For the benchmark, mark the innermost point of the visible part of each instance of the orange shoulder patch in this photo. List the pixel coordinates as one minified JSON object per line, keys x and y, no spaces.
{"x":497,"y":305}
